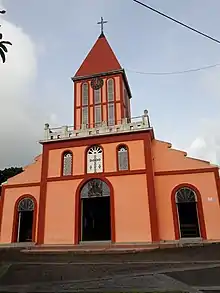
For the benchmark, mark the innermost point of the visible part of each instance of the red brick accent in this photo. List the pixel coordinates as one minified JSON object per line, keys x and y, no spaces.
{"x":2,"y":198}
{"x":43,"y":193}
{"x":94,"y":175}
{"x":74,"y":107}
{"x":20,"y":185}
{"x":186,"y":171}
{"x":217,"y":180}
{"x":151,"y":188}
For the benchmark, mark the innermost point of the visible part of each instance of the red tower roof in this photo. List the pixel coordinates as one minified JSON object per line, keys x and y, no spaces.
{"x":100,"y":59}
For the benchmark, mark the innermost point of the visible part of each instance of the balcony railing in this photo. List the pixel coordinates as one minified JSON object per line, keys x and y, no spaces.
{"x":125,"y":125}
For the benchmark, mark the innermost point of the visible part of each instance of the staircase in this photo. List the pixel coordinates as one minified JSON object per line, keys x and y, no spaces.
{"x":94,"y":247}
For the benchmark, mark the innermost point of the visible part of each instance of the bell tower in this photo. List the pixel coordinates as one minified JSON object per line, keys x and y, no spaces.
{"x":101,"y":90}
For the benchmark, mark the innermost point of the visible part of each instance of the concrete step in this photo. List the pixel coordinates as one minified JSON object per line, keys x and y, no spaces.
{"x":89,"y":248}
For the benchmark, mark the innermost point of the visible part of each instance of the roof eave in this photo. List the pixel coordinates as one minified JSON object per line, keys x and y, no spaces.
{"x":121,"y":71}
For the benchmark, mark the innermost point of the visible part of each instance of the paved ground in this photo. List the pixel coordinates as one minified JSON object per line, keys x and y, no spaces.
{"x":190,"y":269}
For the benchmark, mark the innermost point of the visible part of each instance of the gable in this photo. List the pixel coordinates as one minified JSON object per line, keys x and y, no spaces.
{"x":167,"y":159}
{"x":31,"y":173}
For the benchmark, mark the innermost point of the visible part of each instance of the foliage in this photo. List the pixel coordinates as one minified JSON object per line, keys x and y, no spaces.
{"x":8,"y":173}
{"x":3,"y":48}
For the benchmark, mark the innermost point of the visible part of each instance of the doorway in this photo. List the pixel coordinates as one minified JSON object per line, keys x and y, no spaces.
{"x":186,"y":202}
{"x":25,"y":220}
{"x":95,"y":211}
{"x":96,"y":224}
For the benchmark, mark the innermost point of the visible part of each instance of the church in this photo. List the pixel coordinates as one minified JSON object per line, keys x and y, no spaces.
{"x":107,"y":179}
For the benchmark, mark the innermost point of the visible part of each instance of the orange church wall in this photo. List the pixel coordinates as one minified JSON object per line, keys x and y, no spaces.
{"x":136,"y":155}
{"x":168,"y":159}
{"x":205,"y":183}
{"x":136,"y":158}
{"x":60,"y":212}
{"x":132,"y":221}
{"x":10,"y":198}
{"x":31,"y":173}
{"x":55,"y":157}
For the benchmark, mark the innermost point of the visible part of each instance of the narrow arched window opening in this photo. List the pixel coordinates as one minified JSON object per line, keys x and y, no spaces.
{"x":67,"y":163}
{"x":111,"y":98}
{"x":85,"y":102}
{"x":97,"y":96}
{"x":123,"y":163}
{"x":85,"y":94}
{"x":95,"y":160}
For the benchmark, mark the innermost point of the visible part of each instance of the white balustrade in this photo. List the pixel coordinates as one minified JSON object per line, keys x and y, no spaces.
{"x":126,"y":125}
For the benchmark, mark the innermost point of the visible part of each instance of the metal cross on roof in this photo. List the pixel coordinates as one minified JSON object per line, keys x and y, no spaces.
{"x":102,"y":22}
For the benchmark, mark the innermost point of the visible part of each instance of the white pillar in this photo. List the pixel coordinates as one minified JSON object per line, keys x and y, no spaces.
{"x":46,"y":131}
{"x":64,"y":131}
{"x":145,"y":118}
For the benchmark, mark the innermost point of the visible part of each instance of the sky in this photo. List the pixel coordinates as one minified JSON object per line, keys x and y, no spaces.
{"x":51,"y":39}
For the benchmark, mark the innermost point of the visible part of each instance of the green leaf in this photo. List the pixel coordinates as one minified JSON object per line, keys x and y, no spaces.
{"x":6,"y":43}
{"x":2,"y":55}
{"x":3,"y":47}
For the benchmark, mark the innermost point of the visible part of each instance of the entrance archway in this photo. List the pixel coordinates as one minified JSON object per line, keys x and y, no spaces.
{"x":187,"y":209}
{"x":25,"y":220}
{"x":95,"y":207}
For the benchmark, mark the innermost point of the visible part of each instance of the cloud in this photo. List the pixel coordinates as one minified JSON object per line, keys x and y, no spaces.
{"x":206,"y":145}
{"x":18,"y":131}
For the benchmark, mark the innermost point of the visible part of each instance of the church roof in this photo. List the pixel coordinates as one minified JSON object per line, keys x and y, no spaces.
{"x":100,"y":59}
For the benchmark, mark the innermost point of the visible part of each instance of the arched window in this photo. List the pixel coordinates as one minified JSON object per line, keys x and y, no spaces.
{"x":111,"y":98}
{"x":67,"y":163}
{"x":25,"y":205}
{"x":85,"y":94}
{"x":123,"y":158}
{"x":95,"y":188}
{"x":185,"y":195}
{"x":97,"y":96}
{"x":110,"y":90}
{"x":186,"y":202}
{"x":95,"y":160}
{"x":98,"y":108}
{"x":85,"y":101}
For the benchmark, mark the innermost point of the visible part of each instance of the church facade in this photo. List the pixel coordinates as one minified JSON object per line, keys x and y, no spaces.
{"x":107,"y":178}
